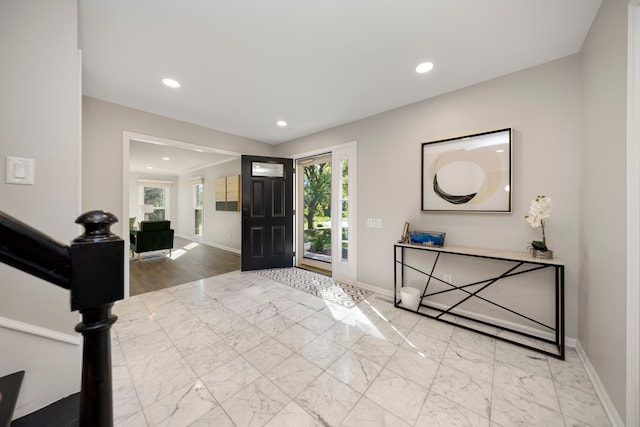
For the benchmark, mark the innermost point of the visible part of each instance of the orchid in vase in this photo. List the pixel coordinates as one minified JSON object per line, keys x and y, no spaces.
{"x":539,"y":211}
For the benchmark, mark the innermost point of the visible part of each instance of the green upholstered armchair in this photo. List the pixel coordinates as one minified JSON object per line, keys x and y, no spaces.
{"x":152,"y":236}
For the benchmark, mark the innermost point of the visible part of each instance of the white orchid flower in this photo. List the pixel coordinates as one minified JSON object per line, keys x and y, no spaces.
{"x":541,"y":207}
{"x":533,"y":221}
{"x":539,"y":210}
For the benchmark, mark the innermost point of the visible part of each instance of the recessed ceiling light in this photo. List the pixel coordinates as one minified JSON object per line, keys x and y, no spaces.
{"x":166,"y":158}
{"x":149,"y":167}
{"x":171,"y":83}
{"x":424,"y":67}
{"x":281,"y":123}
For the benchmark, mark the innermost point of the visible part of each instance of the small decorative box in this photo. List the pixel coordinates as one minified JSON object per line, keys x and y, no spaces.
{"x":427,"y":238}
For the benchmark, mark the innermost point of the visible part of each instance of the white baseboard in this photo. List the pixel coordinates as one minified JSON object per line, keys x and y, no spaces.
{"x":226,"y":248}
{"x":215,"y":245}
{"x":607,"y":404}
{"x":381,"y":291}
{"x":39,"y":331}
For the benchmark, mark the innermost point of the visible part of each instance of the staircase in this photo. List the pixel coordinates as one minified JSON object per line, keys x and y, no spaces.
{"x":92,"y":269}
{"x":9,"y":389}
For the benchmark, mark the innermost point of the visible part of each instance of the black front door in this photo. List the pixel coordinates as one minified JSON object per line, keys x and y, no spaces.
{"x":267,"y":212}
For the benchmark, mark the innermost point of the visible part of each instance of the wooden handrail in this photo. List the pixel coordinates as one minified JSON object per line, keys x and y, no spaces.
{"x":92,"y":268}
{"x":31,"y":251}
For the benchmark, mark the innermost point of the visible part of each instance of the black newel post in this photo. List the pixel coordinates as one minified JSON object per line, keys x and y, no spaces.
{"x":97,"y":281}
{"x":92,"y":268}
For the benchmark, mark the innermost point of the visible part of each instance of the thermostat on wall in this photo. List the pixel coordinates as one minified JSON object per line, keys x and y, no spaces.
{"x":19,"y":171}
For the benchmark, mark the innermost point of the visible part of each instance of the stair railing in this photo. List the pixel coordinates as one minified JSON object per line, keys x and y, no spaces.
{"x":92,"y":269}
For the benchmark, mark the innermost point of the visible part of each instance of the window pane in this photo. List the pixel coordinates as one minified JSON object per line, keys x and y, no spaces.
{"x":157,"y":215}
{"x":272,"y":170}
{"x":198,"y":195}
{"x":317,"y":211}
{"x":198,"y":222}
{"x":198,"y":201}
{"x":154,"y":196}
{"x":344,"y":210}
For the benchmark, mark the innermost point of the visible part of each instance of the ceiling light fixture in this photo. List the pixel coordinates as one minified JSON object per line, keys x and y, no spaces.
{"x":424,"y":67}
{"x":171,"y":83}
{"x":281,"y":123}
{"x":166,"y":158}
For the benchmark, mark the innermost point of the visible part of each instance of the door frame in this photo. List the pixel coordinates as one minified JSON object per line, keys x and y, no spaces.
{"x":346,"y":272}
{"x":633,"y":215}
{"x":299,"y":219}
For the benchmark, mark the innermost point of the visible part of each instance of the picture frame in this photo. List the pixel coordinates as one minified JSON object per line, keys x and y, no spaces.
{"x":470,"y":173}
{"x":405,"y":233}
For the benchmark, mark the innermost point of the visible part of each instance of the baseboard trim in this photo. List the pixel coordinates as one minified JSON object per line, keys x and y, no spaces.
{"x":39,"y":331}
{"x":607,"y":404}
{"x":215,"y":245}
{"x":381,"y":291}
{"x":225,"y":248}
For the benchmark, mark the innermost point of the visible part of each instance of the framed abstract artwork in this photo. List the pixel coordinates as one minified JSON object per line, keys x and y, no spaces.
{"x":469,"y":173}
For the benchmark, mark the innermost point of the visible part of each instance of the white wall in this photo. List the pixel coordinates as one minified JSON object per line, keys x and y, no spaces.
{"x":569,"y":122}
{"x":40,"y":119}
{"x":221,"y":228}
{"x":603,"y":65}
{"x":103,"y":124}
{"x":540,"y":104}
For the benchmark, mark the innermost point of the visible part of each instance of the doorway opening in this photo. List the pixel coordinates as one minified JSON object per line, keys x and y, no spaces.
{"x":315,"y":219}
{"x":177,"y":189}
{"x":326,"y":233}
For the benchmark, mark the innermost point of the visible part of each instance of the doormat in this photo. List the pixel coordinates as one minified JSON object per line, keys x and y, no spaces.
{"x":317,"y":285}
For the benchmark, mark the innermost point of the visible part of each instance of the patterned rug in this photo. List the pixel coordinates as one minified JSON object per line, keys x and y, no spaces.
{"x":317,"y":285}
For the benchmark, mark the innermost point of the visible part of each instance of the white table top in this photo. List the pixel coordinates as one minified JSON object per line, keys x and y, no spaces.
{"x":485,"y":252}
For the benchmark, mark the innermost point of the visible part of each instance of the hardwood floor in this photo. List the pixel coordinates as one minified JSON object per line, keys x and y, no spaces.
{"x":189,"y":261}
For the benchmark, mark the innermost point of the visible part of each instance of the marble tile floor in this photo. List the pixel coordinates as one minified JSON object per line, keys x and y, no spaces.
{"x":241,"y":350}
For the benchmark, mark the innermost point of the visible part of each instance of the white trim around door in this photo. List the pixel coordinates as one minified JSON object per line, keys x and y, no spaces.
{"x":341,"y":269}
{"x":633,"y":215}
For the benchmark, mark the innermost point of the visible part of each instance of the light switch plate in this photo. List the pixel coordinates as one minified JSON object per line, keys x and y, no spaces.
{"x":19,"y":171}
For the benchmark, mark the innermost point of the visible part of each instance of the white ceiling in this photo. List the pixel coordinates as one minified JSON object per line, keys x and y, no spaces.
{"x":244,"y":64}
{"x":160,"y":158}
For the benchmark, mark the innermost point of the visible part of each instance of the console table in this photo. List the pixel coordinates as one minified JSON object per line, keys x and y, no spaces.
{"x":514,"y":264}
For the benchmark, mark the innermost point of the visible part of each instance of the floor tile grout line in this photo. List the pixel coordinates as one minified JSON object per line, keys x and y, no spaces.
{"x":396,"y":349}
{"x":493,"y":379}
{"x":133,"y":385}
